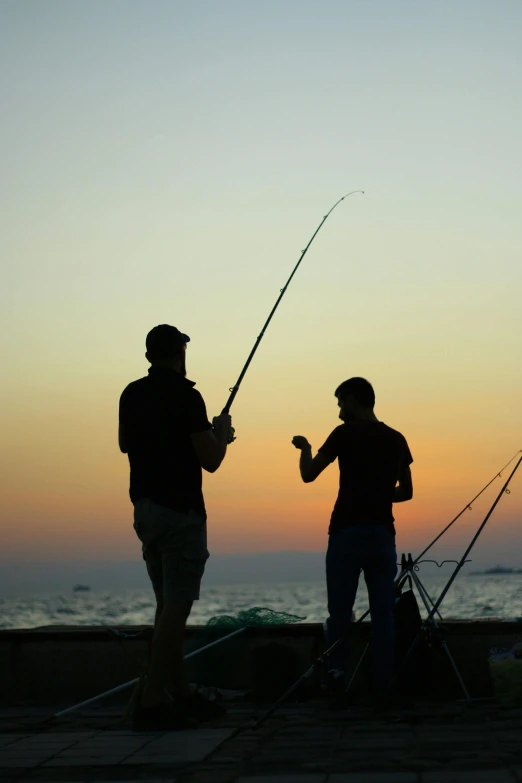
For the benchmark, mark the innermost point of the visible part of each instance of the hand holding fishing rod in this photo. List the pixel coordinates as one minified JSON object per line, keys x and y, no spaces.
{"x":223,"y":429}
{"x":234,"y":389}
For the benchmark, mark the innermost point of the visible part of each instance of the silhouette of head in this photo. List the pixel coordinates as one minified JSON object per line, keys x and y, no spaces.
{"x":356,"y":399}
{"x":166,"y":347}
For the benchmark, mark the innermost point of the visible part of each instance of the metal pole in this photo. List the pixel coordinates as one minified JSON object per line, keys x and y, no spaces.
{"x":128,"y":684}
{"x":424,"y":596}
{"x":294,"y":687}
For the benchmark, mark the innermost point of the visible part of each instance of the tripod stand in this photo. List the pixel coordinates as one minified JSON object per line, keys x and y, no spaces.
{"x":433,"y":634}
{"x":430,"y":628}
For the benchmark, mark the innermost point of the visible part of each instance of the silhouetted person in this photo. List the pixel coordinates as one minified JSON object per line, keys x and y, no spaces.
{"x":164,"y":429}
{"x":374,"y":464}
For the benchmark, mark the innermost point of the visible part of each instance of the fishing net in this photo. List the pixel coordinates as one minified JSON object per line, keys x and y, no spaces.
{"x":228,"y":664}
{"x":252,"y":618}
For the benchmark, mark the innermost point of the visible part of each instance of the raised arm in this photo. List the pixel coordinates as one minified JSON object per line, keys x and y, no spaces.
{"x":310,"y":467}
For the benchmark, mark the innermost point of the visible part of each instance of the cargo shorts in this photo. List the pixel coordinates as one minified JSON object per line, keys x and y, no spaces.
{"x":174,"y":547}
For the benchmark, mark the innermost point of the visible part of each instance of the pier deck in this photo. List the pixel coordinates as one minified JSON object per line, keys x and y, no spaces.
{"x":301,"y":743}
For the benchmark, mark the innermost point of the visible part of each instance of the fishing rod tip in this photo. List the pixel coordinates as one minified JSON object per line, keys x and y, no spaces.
{"x":351,"y":193}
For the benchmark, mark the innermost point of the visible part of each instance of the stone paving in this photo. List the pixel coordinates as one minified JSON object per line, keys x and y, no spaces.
{"x":300,"y":744}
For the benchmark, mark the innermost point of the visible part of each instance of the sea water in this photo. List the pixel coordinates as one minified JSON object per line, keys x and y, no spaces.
{"x":470,"y":596}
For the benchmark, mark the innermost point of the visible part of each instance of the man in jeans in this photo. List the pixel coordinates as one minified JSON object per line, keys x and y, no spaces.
{"x":164,"y":429}
{"x":374,"y":464}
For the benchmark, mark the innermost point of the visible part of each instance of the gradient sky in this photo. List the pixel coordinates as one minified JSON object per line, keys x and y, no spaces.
{"x":167,"y":162}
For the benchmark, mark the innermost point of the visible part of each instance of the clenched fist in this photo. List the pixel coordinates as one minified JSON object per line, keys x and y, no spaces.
{"x":300,"y":442}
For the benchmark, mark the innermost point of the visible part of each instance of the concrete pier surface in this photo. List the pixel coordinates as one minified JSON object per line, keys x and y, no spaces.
{"x":300,"y":743}
{"x":53,"y":665}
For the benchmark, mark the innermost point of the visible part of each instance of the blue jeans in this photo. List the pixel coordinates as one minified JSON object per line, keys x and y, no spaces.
{"x":351,"y":550}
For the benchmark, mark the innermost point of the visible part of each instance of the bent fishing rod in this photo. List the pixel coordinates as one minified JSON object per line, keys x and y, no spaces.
{"x":234,"y":389}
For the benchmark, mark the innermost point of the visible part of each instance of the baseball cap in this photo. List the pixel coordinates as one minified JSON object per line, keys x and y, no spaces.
{"x":165,"y":341}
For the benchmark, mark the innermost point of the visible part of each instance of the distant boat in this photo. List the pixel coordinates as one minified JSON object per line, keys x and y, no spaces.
{"x":81,"y":589}
{"x":499,"y":570}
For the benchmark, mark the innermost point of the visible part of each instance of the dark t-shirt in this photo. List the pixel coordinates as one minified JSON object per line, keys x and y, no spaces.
{"x":371,"y":456}
{"x":158,"y":414}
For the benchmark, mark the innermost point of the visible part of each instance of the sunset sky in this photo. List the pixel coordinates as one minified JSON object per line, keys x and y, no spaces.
{"x":166,"y":162}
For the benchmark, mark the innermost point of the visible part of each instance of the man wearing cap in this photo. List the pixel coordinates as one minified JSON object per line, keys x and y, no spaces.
{"x":164,"y":430}
{"x":374,"y":463}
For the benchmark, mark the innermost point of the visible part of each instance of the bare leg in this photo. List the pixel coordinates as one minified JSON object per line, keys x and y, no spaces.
{"x":167,"y":655}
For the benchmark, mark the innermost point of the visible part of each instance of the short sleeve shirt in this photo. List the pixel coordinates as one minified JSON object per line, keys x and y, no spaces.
{"x":371,"y":456}
{"x":158,"y":414}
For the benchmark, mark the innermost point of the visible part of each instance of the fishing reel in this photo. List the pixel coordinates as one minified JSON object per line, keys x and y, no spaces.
{"x":231,"y":437}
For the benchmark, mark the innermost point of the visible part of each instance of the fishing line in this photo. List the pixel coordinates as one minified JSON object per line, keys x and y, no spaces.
{"x":467,"y":507}
{"x":234,"y":389}
{"x":461,"y":562}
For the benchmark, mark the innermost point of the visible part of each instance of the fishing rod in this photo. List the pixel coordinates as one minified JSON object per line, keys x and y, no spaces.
{"x":128,"y":684}
{"x":467,"y":507}
{"x":461,"y":562}
{"x":234,"y":389}
{"x":440,"y":599}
